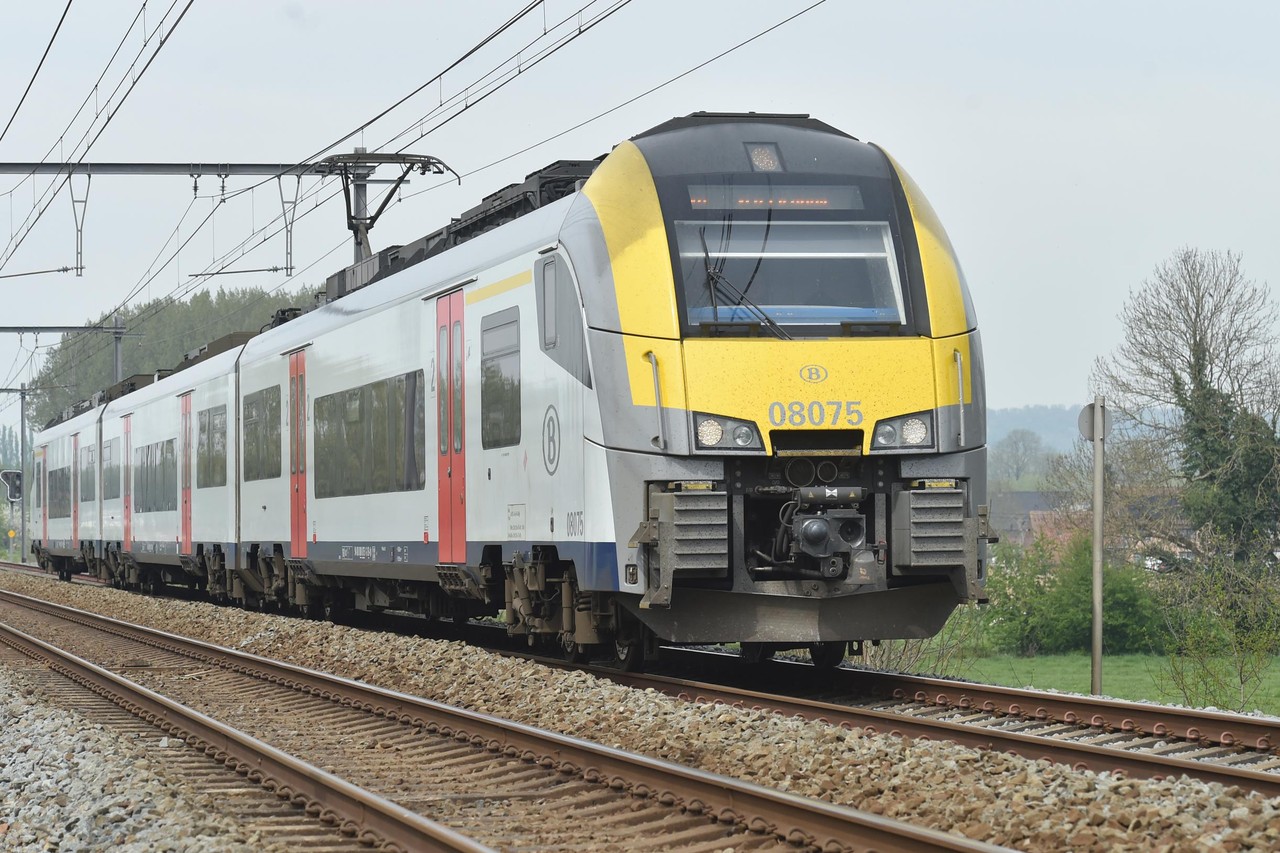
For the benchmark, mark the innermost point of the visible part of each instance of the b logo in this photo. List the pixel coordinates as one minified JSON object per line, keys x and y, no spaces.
{"x":551,"y":440}
{"x":814,"y":373}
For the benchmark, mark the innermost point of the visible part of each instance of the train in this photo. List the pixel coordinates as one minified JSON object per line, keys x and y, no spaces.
{"x":723,"y":384}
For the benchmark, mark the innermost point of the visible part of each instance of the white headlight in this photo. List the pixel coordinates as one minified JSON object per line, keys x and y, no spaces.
{"x":886,"y":435}
{"x":743,"y":435}
{"x":710,"y":432}
{"x":914,"y":431}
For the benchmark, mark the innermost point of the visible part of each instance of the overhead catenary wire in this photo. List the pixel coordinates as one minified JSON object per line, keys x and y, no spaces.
{"x":36,"y":73}
{"x":50,"y":191}
{"x":691,"y":70}
{"x":625,"y":103}
{"x":87,"y":98}
{"x":546,"y":52}
{"x":13,"y":246}
{"x":502,"y":28}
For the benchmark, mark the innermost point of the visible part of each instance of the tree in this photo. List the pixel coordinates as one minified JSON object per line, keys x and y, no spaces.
{"x":1143,"y":496}
{"x":1196,"y":374}
{"x":85,"y":364}
{"x":1196,"y":322}
{"x":1018,"y":454}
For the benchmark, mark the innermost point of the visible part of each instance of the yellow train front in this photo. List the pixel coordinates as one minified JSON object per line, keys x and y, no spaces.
{"x":790,"y":388}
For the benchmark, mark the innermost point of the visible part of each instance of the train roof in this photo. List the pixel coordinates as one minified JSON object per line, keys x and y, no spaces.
{"x":439,"y":273}
{"x":699,"y":119}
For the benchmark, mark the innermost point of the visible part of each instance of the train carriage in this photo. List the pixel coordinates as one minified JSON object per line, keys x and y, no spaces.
{"x":723,"y":384}
{"x":64,"y":507}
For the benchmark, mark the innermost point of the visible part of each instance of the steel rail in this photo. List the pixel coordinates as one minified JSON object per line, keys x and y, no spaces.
{"x":1198,"y":726}
{"x":1217,"y":728}
{"x":798,"y":820}
{"x":1080,"y":756}
{"x":370,"y":817}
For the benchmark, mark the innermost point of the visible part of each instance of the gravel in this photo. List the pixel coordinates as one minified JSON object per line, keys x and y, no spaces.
{"x":69,"y":784}
{"x":980,"y":794}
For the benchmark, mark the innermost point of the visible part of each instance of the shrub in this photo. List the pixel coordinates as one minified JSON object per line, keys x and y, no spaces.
{"x":1041,"y":604}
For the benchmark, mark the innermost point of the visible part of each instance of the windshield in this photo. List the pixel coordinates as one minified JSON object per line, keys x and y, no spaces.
{"x":750,"y":254}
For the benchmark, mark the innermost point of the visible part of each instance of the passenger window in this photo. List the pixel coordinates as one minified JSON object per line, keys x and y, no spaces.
{"x":500,"y":379}
{"x":262,"y":434}
{"x":547,"y":289}
{"x":371,"y":439}
{"x":88,"y":473}
{"x":442,"y":389}
{"x":560,"y":318}
{"x":211,"y":447}
{"x":111,"y":470}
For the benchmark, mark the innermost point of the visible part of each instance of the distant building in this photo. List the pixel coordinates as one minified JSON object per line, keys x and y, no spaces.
{"x":1019,"y":515}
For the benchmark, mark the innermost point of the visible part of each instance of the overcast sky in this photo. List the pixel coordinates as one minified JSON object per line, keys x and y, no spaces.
{"x":1067,"y":147}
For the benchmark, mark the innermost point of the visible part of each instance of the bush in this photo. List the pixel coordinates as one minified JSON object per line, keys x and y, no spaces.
{"x":1223,"y":615}
{"x":1043,"y":605}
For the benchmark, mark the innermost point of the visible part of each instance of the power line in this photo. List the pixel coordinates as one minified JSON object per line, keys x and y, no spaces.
{"x":553,"y":137}
{"x":92,"y":91}
{"x":512,"y":21}
{"x":12,"y":247}
{"x":546,"y":52}
{"x":35,"y":272}
{"x":627,"y":102}
{"x":40,"y":65}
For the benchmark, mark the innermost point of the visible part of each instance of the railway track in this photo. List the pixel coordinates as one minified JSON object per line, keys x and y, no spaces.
{"x":1142,"y":741}
{"x":371,"y":761}
{"x":1139,"y":739}
{"x":272,"y":820}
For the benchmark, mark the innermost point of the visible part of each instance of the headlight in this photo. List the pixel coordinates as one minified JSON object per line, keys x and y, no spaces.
{"x":710,"y":432}
{"x":909,"y":432}
{"x":914,"y":432}
{"x":886,"y":435}
{"x":715,"y":432}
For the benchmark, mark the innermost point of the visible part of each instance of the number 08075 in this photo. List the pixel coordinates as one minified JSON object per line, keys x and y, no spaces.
{"x":831,"y":413}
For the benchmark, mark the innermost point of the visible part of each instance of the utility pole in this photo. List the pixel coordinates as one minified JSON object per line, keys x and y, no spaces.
{"x":22,"y":463}
{"x":118,"y":334}
{"x":1095,"y":425}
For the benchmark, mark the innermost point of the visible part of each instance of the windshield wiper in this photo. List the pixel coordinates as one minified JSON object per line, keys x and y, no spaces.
{"x":711,"y":287}
{"x":716,"y":280}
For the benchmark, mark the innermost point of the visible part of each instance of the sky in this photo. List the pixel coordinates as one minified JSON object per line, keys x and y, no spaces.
{"x":1068,"y":148}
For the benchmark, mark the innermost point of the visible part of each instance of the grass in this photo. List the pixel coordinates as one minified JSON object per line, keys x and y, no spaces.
{"x":1137,"y":677}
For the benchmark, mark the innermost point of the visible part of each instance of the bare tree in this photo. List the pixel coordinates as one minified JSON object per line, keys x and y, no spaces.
{"x":1018,"y":454}
{"x":1143,"y":513}
{"x":1197,"y":373}
{"x":1196,"y":319}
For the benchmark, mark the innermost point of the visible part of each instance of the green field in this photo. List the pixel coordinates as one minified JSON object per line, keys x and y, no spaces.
{"x":1123,"y":677}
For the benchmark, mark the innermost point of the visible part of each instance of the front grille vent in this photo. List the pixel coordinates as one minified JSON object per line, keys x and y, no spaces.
{"x":935,"y":527}
{"x":699,"y":543}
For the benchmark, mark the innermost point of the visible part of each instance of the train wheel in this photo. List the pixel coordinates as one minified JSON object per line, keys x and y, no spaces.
{"x":335,"y":607}
{"x":628,"y":655}
{"x":827,"y":655}
{"x":756,"y":652}
{"x":572,"y":651}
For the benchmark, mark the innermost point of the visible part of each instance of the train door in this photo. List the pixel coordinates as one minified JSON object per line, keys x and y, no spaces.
{"x":75,"y":490}
{"x":559,"y":402}
{"x":126,"y":465}
{"x":298,"y":453}
{"x":450,"y":409}
{"x":185,"y":547}
{"x":42,"y":492}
